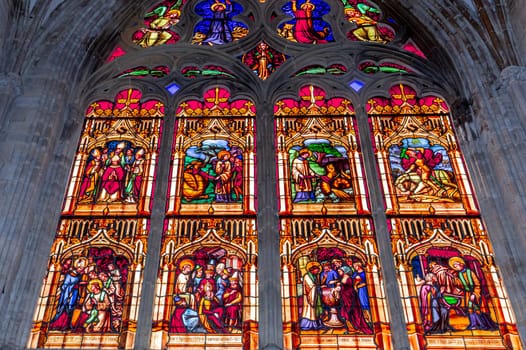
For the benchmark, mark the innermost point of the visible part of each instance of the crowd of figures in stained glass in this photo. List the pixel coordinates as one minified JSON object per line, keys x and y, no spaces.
{"x":207,"y":285}
{"x":92,"y":288}
{"x":332,"y":290}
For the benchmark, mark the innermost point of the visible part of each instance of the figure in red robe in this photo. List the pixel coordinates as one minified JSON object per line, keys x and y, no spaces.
{"x":304,"y":31}
{"x":90,"y":181}
{"x":232,"y":302}
{"x":112,"y":184}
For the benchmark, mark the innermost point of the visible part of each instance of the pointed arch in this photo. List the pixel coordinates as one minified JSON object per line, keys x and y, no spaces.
{"x":240,"y":79}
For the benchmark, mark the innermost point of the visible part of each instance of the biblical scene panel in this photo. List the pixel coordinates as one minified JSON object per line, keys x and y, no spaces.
{"x":333,"y":295}
{"x":319,"y":165}
{"x":207,"y":285}
{"x":158,"y":24}
{"x":367,"y":19}
{"x":419,"y":160}
{"x":218,"y":26}
{"x":451,"y":289}
{"x":307,"y":25}
{"x":213,"y":165}
{"x":90,"y":294}
{"x":114,"y":169}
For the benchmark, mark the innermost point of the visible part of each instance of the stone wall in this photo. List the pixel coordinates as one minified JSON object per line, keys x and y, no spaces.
{"x":517,"y":18}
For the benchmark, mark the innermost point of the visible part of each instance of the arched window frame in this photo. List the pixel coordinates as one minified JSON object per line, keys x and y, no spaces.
{"x":188,"y":87}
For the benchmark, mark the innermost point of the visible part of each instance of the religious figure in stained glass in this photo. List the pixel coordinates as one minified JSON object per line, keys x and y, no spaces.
{"x":207,"y":286}
{"x":447,"y":265}
{"x":422,"y":172}
{"x":213,"y":173}
{"x":159,"y":22}
{"x":263,"y":60}
{"x":320,"y":172}
{"x":365,"y":17}
{"x":307,"y":27}
{"x":91,"y":293}
{"x":218,"y":26}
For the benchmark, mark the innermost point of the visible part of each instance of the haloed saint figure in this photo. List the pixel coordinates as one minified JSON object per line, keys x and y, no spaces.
{"x":218,"y":26}
{"x":334,"y":293}
{"x":307,"y":25}
{"x":90,"y":295}
{"x":453,"y":293}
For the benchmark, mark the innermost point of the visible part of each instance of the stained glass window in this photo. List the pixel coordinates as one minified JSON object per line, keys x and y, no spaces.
{"x":91,"y":292}
{"x":452,"y":293}
{"x":207,"y":282}
{"x":366,"y":18}
{"x":332,"y":290}
{"x":420,"y":165}
{"x":263,"y":60}
{"x":206,"y":287}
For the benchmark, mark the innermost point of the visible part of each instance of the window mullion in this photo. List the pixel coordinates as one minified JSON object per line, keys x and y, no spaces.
{"x":396,"y":310}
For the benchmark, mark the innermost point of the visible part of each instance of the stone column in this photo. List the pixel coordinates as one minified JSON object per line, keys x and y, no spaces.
{"x":39,"y":131}
{"x":497,"y":161}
